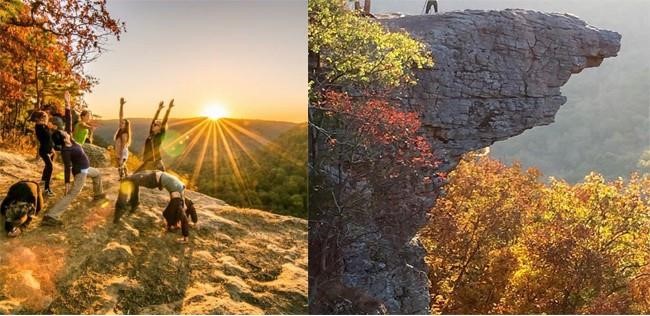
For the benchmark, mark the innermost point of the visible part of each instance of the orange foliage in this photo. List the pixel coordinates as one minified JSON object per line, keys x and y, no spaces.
{"x":500,"y":241}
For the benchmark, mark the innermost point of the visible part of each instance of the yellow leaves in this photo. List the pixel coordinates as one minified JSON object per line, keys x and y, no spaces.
{"x":572,"y":244}
{"x":355,"y":50}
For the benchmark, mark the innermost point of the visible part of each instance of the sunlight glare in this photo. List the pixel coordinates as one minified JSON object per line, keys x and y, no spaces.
{"x":215,"y":111}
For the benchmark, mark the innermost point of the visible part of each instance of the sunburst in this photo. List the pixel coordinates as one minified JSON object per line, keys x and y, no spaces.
{"x":224,"y":136}
{"x":215,"y":111}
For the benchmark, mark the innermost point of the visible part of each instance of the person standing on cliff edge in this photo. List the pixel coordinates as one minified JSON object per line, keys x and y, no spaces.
{"x":151,"y":157}
{"x":431,"y":3}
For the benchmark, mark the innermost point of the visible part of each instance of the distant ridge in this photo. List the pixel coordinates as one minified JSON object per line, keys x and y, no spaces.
{"x":140,"y":127}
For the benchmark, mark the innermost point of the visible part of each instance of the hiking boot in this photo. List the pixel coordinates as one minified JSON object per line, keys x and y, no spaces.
{"x":51,"y":221}
{"x":119,"y":211}
{"x":48,"y":193}
{"x":99,"y":197}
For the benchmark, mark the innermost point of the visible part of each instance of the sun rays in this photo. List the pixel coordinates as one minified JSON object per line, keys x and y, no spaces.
{"x":220,"y":148}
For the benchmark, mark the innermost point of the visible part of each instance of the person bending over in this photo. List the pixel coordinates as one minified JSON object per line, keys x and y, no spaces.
{"x":151,"y":156}
{"x":75,"y":162}
{"x":178,"y":209}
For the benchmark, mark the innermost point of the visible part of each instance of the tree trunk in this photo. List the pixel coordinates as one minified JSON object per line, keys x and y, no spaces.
{"x":37,"y":105}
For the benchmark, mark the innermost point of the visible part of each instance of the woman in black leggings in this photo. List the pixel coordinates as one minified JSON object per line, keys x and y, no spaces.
{"x":45,"y":151}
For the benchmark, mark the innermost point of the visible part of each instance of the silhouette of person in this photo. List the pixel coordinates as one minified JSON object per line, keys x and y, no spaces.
{"x":151,"y":156}
{"x":431,"y":3}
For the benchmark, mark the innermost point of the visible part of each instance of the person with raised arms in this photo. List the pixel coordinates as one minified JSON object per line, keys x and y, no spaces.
{"x":122,"y":142}
{"x":151,"y":156}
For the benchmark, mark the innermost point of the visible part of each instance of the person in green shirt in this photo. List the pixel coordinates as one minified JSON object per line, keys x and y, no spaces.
{"x":83,"y":128}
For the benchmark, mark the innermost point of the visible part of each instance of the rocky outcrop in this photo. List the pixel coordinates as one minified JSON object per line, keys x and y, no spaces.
{"x":497,"y":73}
{"x":237,"y":261}
{"x":98,"y":156}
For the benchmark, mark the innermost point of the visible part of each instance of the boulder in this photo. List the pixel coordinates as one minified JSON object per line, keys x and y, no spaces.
{"x":99,"y":157}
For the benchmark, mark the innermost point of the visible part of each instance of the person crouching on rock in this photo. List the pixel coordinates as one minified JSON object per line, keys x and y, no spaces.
{"x":178,"y":209}
{"x":75,"y":162}
{"x":24,"y":200}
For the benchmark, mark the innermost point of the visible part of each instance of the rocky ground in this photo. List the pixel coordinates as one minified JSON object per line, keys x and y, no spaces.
{"x":236,"y":260}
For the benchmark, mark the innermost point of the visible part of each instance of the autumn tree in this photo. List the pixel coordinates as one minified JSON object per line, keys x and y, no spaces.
{"x":502,"y":241}
{"x":476,"y":223}
{"x":81,"y":28}
{"x":44,"y":47}
{"x":365,"y":150}
{"x":582,"y":248}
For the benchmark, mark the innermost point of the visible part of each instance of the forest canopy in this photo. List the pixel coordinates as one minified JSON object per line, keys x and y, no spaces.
{"x":501,"y":241}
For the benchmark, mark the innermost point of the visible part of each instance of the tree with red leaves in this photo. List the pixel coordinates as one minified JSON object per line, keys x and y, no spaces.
{"x":44,"y":47}
{"x":367,"y":161}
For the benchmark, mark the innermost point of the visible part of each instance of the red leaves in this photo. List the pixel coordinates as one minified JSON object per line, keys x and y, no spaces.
{"x":370,"y":155}
{"x":80,"y":27}
{"x":45,"y":44}
{"x":384,"y":131}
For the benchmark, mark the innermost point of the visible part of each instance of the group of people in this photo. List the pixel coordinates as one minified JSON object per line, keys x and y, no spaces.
{"x":57,"y":133}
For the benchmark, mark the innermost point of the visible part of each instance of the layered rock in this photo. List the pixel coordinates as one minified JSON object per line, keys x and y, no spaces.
{"x":497,"y":73}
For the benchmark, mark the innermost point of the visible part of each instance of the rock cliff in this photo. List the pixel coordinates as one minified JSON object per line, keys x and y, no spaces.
{"x":497,"y":73}
{"x":237,"y":261}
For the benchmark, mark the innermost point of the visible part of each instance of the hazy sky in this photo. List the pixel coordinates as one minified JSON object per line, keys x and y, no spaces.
{"x":249,"y":55}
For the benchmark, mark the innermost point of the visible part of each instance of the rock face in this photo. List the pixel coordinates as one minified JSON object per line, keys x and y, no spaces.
{"x":497,"y":74}
{"x":98,"y":156}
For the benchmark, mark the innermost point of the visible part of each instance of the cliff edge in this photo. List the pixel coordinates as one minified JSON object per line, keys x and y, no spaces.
{"x":237,"y":261}
{"x":496,"y":74}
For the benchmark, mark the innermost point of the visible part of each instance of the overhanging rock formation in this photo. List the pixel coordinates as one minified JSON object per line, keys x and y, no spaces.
{"x":497,"y":74}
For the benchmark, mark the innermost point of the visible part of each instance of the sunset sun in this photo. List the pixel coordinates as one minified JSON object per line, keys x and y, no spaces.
{"x":215,"y":111}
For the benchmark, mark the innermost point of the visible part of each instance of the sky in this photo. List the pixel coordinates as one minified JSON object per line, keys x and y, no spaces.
{"x":248,"y":56}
